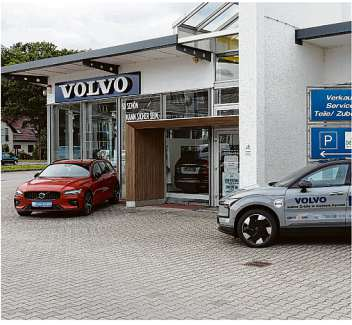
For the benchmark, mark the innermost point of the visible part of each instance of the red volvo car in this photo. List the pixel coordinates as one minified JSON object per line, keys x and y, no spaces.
{"x":69,"y":185}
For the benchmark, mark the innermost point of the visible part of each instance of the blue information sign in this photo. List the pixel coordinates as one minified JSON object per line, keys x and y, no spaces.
{"x":328,"y":143}
{"x":334,"y":104}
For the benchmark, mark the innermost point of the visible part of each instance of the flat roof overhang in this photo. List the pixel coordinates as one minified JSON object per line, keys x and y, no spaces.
{"x":151,"y":49}
{"x":325,"y":35}
{"x":207,"y":121}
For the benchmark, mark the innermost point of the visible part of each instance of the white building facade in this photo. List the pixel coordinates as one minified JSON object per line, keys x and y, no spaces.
{"x":228,"y":94}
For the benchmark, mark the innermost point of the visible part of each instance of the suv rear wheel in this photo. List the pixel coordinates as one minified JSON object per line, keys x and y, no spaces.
{"x":257,"y":228}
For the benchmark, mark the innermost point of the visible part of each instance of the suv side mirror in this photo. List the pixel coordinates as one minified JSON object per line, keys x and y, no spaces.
{"x":304,"y":184}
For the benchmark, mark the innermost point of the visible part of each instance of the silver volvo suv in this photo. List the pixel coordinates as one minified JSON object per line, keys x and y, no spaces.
{"x":318,"y":195}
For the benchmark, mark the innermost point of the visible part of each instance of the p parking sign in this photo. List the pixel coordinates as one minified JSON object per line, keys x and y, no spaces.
{"x":331,"y":143}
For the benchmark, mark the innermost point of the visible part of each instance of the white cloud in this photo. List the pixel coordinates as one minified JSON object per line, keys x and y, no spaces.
{"x":87,"y":24}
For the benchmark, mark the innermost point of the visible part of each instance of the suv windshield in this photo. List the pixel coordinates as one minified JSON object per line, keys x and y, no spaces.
{"x":65,"y":170}
{"x":293,"y":176}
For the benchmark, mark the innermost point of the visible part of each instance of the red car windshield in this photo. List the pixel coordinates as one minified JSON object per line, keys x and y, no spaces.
{"x":65,"y":170}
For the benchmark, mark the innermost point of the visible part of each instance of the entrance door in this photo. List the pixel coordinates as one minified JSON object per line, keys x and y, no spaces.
{"x":226,"y":163}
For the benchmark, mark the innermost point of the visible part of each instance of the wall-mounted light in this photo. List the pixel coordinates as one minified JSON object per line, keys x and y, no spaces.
{"x":195,"y":59}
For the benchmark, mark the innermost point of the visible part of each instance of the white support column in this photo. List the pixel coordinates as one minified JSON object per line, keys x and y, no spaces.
{"x":251,"y":95}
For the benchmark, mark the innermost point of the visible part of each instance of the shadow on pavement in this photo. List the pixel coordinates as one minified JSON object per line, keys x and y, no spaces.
{"x":315,"y":236}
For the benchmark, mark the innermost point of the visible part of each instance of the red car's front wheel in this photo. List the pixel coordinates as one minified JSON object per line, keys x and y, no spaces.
{"x":88,"y":204}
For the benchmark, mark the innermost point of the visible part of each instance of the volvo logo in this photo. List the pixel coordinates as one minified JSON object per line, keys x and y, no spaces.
{"x":119,"y":84}
{"x":41,"y":195}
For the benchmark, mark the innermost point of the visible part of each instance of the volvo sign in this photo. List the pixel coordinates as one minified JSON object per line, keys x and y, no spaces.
{"x":101,"y":87}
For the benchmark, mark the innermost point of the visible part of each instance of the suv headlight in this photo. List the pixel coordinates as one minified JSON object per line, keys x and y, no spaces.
{"x":18,"y":192}
{"x":72,"y":192}
{"x":228,"y":203}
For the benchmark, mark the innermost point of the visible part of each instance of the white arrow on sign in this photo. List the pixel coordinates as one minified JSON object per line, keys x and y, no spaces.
{"x":324,"y":154}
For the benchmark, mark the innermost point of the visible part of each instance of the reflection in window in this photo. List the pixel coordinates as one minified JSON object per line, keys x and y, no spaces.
{"x":187,"y":157}
{"x":329,"y":176}
{"x":226,"y":95}
{"x":226,"y":43}
{"x":135,"y":107}
{"x":66,"y":135}
{"x":100,"y":131}
{"x":187,"y":104}
{"x":227,"y":67}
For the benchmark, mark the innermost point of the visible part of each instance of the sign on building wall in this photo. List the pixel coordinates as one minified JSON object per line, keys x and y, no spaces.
{"x":331,"y":143}
{"x":333,"y":104}
{"x":142,"y":108}
{"x":99,"y":87}
{"x":329,"y":122}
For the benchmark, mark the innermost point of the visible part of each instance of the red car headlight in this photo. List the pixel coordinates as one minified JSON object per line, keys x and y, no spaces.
{"x":72,"y":192}
{"x":18,"y":193}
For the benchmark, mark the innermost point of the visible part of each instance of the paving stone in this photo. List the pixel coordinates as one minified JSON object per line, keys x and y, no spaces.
{"x":154,"y":263}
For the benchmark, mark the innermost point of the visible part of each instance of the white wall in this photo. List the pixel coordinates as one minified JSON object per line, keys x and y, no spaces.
{"x":289,"y":69}
{"x":337,"y":65}
{"x":274,"y":74}
{"x":156,"y":75}
{"x":305,"y":14}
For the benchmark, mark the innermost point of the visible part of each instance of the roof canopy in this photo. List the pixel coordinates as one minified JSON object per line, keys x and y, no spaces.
{"x":156,"y":48}
{"x":209,"y":17}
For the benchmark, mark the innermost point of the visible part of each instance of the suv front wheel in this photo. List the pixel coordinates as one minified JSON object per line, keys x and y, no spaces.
{"x":257,"y":228}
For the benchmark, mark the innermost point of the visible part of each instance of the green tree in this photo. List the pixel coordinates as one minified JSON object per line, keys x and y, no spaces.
{"x":23,"y":99}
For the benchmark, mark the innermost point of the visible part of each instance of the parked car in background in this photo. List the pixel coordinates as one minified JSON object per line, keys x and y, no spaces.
{"x":319,"y":195}
{"x":8,"y":158}
{"x":192,"y":171}
{"x":69,"y":185}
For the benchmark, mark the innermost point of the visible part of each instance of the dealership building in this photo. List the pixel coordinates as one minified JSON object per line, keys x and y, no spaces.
{"x":224,"y":102}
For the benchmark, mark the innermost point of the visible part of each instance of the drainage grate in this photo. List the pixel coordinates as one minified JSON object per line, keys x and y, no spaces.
{"x":257,"y":263}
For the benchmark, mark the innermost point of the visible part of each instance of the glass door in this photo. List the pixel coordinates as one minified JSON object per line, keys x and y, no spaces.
{"x":226,"y":163}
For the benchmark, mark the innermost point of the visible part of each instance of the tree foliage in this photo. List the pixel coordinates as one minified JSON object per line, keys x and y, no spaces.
{"x":23,"y":99}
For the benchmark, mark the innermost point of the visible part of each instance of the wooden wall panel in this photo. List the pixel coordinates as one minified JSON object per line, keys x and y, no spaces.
{"x":144,"y":164}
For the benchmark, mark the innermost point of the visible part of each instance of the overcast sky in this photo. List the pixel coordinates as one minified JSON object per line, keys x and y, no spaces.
{"x":87,"y":24}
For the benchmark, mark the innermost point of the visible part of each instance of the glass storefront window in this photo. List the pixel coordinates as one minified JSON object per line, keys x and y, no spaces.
{"x":227,"y":67}
{"x":229,"y":163}
{"x":66,"y":135}
{"x":187,"y":104}
{"x":187,"y":160}
{"x":141,"y":108}
{"x":100,"y":131}
{"x":226,"y":43}
{"x":226,"y":95}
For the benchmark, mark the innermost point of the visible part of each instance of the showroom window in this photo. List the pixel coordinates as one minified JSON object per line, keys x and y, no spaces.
{"x":187,"y":104}
{"x":141,"y":108}
{"x":227,"y":58}
{"x":227,"y":67}
{"x":226,"y":95}
{"x":66,"y":135}
{"x":187,"y":161}
{"x":99,"y":130}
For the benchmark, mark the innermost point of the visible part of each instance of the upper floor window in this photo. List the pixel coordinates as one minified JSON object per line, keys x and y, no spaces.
{"x":187,"y":104}
{"x":226,"y":95}
{"x":227,"y":67}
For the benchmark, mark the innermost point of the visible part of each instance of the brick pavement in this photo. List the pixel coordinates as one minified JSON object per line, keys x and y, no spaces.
{"x":157,"y":263}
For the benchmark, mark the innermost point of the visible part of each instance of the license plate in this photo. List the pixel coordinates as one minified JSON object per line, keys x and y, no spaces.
{"x":42,"y":204}
{"x":190,"y":170}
